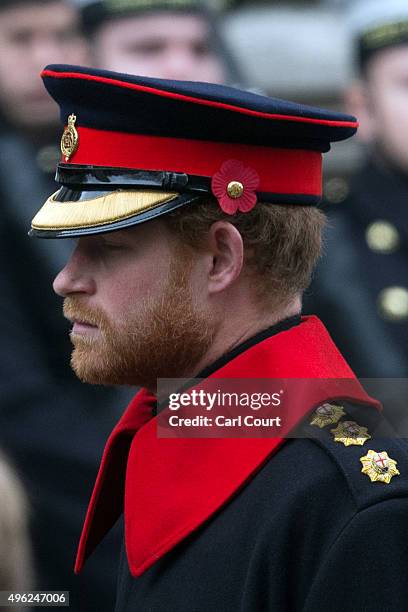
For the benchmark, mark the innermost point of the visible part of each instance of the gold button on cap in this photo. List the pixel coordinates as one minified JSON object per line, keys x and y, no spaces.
{"x":327,"y":414}
{"x":235,"y":189}
{"x":379,"y":467}
{"x":350,"y":433}
{"x":382,"y":237}
{"x":393,"y":303}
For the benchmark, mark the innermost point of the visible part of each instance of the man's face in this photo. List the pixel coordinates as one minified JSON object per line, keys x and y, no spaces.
{"x":171,"y":46}
{"x":387,"y":99}
{"x":32,"y":36}
{"x":130,"y":297}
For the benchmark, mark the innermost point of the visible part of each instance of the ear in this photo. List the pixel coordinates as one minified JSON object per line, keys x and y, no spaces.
{"x":358,"y":102}
{"x":227,"y":249}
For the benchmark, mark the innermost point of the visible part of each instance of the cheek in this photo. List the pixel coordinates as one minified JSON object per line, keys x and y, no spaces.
{"x":400,"y":120}
{"x":13,"y":81}
{"x":115,"y":57}
{"x":391,"y":115}
{"x":76,"y":51}
{"x":122,"y":295}
{"x":198,"y":282}
{"x":392,"y":127}
{"x":212,"y":71}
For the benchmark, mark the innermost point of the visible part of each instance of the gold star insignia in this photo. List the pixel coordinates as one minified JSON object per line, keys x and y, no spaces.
{"x":327,"y":414}
{"x":350,"y":432}
{"x":379,"y":466}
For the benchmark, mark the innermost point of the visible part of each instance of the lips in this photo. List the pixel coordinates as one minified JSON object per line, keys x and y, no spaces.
{"x":85,"y":319}
{"x":80,"y":327}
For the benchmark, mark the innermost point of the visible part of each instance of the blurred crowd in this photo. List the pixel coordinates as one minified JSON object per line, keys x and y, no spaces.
{"x":52,"y":427}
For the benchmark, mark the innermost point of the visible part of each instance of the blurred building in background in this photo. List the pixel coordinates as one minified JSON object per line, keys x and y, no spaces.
{"x":300,"y":51}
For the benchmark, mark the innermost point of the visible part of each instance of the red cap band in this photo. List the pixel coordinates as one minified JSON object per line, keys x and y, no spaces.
{"x":285,"y":171}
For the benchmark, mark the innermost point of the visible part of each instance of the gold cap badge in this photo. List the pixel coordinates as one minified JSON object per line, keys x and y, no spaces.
{"x":350,"y":432}
{"x":327,"y":414}
{"x":379,"y":467}
{"x":70,"y":138}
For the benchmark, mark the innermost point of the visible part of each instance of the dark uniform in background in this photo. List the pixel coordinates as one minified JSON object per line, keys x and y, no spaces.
{"x":51,"y":426}
{"x":317,"y":522}
{"x":361,"y":285}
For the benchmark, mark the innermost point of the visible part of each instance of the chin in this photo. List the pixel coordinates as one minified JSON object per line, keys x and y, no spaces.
{"x":94,"y":369}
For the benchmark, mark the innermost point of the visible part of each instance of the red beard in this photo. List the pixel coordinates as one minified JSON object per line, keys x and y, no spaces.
{"x":162,"y":338}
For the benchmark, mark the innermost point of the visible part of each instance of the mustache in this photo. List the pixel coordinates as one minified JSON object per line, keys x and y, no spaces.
{"x":75,"y":309}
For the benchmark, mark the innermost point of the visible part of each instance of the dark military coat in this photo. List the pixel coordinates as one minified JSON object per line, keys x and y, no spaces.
{"x":309,"y":533}
{"x":259,"y":524}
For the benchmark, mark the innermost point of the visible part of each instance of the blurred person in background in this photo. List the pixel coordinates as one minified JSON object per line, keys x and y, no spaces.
{"x":30,"y":32}
{"x":361,"y":289}
{"x":15,"y":550}
{"x":38,"y":394}
{"x":158,"y":38}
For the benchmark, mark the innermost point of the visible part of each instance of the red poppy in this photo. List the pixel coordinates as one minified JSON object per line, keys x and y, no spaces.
{"x":235,"y":187}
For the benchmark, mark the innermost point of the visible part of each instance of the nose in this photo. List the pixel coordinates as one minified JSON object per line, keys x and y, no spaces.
{"x":75,"y":277}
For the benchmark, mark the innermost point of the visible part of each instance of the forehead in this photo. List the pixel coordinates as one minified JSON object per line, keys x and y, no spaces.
{"x":166,"y":25}
{"x":36,"y":16}
{"x":389,"y":62}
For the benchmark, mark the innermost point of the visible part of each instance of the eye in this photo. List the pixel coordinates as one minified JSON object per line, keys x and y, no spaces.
{"x":201,"y":49}
{"x":102,"y":247}
{"x":21,"y":37}
{"x":112,"y":246}
{"x":148,"y":47}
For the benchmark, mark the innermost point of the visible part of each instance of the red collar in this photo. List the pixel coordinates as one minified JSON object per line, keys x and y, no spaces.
{"x":164,"y":502}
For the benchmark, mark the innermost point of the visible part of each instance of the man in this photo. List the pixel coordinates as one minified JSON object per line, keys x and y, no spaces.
{"x":173,"y":39}
{"x":193,"y":206}
{"x":367,"y":251}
